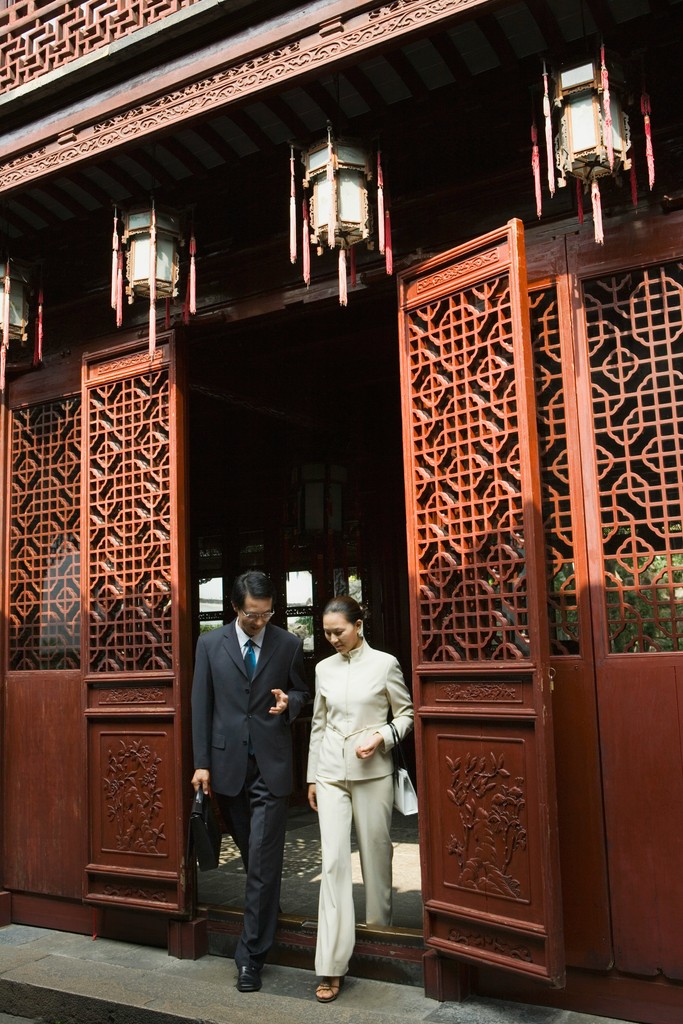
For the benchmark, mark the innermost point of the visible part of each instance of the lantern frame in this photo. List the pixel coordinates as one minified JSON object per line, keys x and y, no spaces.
{"x":19,"y":298}
{"x":580,"y":145}
{"x":138,"y":224}
{"x":337,"y":172}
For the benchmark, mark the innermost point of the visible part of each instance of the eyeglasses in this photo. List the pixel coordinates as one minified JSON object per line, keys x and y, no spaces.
{"x":257,"y":615}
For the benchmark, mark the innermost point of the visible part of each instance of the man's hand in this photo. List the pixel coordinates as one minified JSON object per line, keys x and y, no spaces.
{"x":202,"y":778}
{"x":312,"y":799}
{"x":281,"y":702}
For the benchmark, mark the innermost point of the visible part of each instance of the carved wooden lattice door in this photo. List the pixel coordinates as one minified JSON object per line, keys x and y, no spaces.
{"x":96,"y":646}
{"x":132,"y":621}
{"x":480,"y":646}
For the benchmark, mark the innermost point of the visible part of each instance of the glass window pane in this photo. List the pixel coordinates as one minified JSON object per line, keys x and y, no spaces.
{"x":302,"y":626}
{"x":299,"y":588}
{"x":211,"y":600}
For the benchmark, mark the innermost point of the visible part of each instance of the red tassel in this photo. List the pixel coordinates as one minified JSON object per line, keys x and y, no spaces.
{"x":352,"y":266}
{"x":343,"y":296}
{"x":380,"y":203}
{"x":388,"y":251}
{"x":536,"y":169}
{"x":153,"y":285}
{"x":115,"y":247}
{"x":548,"y":134}
{"x":38,"y":347}
{"x":292,"y":207}
{"x":306,"y":247}
{"x":192,"y":280}
{"x":579,"y":199}
{"x":634,"y":183}
{"x":606,"y":109}
{"x":597,"y":213}
{"x":646,"y":111}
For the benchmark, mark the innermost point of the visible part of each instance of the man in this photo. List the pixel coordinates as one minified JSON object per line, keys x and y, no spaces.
{"x":248,"y":688}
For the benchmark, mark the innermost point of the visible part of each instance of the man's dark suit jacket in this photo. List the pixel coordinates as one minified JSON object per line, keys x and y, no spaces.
{"x":227,"y":709}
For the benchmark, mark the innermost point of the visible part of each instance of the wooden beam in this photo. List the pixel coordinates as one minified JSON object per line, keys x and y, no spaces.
{"x":547,"y":23}
{"x":217,"y":78}
{"x":407,"y":73}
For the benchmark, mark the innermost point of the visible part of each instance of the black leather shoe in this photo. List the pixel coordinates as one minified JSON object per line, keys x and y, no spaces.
{"x":248,"y":979}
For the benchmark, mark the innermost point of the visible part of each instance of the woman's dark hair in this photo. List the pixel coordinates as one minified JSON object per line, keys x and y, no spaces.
{"x":252,"y":584}
{"x":346,"y":606}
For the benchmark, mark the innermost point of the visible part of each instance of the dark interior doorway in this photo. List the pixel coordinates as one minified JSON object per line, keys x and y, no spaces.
{"x":296,"y":467}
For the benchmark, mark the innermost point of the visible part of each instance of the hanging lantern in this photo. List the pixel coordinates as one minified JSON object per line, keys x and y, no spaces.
{"x":594,"y":137}
{"x":151,"y":240}
{"x":146,"y":230}
{"x":337,"y":172}
{"x":15,"y":290}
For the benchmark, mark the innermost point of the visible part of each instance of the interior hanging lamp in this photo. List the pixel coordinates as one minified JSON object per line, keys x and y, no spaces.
{"x":16,"y":291}
{"x":336,"y":210}
{"x":593,"y":139}
{"x":146,"y":256}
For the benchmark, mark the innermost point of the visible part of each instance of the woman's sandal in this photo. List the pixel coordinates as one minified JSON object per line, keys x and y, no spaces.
{"x":328,"y":989}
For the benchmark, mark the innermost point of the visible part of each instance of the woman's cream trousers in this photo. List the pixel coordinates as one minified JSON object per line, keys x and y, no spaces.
{"x":369,"y":802}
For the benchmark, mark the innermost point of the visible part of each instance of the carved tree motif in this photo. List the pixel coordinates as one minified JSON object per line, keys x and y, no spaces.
{"x":133,"y":797}
{"x":490,"y":813}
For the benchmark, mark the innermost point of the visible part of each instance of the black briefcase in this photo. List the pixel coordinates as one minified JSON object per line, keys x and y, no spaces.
{"x":205,"y":836}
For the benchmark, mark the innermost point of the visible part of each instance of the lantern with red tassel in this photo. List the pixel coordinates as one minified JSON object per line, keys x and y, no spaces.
{"x":15,"y":290}
{"x":594,"y":137}
{"x":337,"y":214}
{"x":151,"y":241}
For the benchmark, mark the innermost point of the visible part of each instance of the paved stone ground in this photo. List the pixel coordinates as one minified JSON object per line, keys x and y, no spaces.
{"x":61,"y":978}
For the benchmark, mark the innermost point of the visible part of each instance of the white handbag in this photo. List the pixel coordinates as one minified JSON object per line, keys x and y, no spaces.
{"x":405,"y":797}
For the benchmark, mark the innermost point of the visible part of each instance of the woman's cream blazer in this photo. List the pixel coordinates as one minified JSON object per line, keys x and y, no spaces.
{"x":353,"y":695}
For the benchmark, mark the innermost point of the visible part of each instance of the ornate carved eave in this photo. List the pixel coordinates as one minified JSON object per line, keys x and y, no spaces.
{"x":258,"y":61}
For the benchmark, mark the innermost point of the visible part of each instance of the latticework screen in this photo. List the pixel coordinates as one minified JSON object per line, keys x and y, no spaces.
{"x":129,"y":525}
{"x":472,"y":582}
{"x":44,"y":557}
{"x":561,"y":577}
{"x":635,"y":334}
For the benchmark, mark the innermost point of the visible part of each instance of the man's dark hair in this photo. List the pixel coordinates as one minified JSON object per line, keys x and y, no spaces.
{"x":252,"y":584}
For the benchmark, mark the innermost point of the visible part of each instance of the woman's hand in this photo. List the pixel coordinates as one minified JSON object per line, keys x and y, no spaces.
{"x":312,"y":797}
{"x":366,"y":750}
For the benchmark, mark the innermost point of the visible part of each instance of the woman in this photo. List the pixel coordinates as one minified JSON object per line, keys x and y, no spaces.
{"x":350,"y":775}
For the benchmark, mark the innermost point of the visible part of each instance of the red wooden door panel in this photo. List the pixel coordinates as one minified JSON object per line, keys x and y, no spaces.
{"x":479,"y":631}
{"x":629,"y":326}
{"x":583,"y":863}
{"x":44,"y":793}
{"x":132,"y":648}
